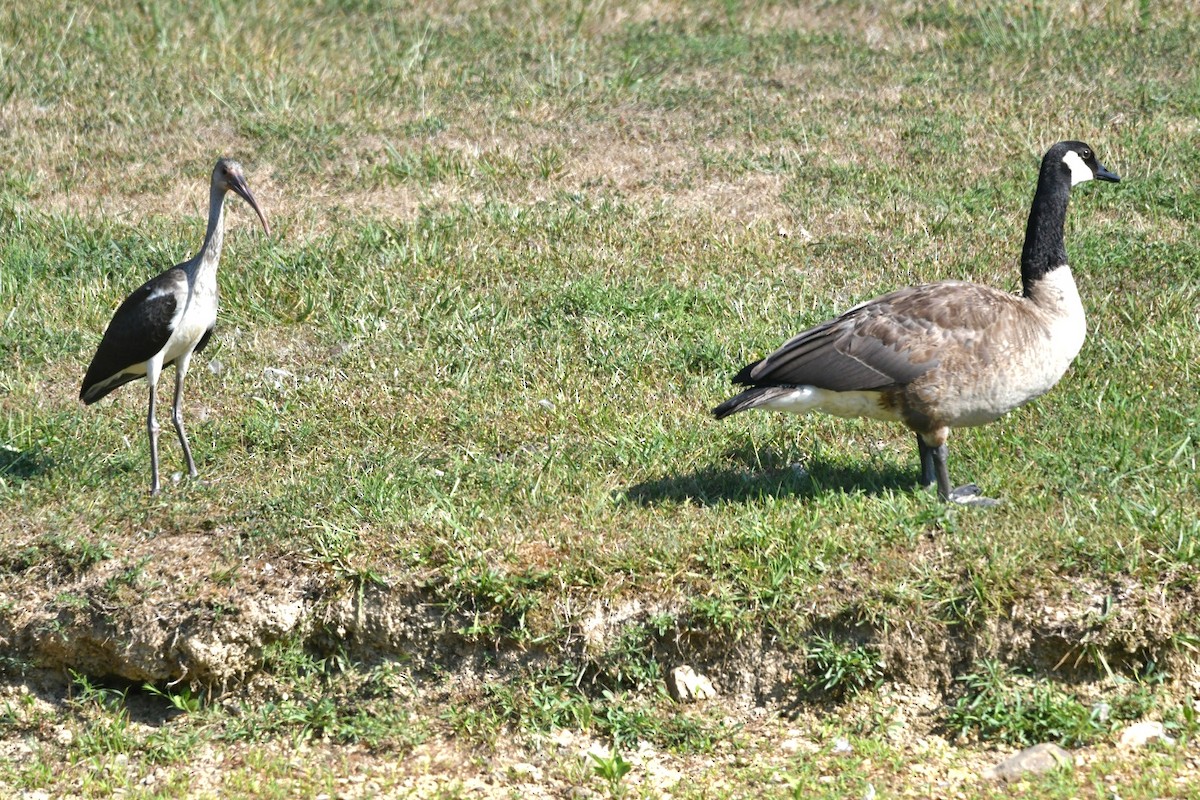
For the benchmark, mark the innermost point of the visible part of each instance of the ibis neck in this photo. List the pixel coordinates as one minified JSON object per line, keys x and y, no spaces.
{"x":1044,"y":249}
{"x":210,"y":253}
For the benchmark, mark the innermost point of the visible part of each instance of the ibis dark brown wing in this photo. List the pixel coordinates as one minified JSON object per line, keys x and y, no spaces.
{"x":889,"y":341}
{"x":139,"y":329}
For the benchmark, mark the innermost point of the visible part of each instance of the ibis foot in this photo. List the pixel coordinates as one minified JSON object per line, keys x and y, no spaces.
{"x":970,"y":495}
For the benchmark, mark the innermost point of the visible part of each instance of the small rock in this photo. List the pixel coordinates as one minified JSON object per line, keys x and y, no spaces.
{"x":794,"y":743}
{"x":525,"y":772}
{"x":1031,"y":761}
{"x":595,"y":750}
{"x":686,"y":685}
{"x":1140,"y":734}
{"x":275,"y":376}
{"x":562,"y":737}
{"x":841,"y":747}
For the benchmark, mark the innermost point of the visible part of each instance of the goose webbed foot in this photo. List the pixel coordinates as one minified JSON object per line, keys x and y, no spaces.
{"x":971,"y":495}
{"x":934,"y":470}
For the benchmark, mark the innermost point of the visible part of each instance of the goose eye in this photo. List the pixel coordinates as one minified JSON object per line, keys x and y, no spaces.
{"x":1085,"y":153}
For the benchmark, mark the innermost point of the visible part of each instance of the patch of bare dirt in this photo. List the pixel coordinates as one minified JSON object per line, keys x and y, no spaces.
{"x":763,"y":753}
{"x":177,"y":609}
{"x":188,"y":607}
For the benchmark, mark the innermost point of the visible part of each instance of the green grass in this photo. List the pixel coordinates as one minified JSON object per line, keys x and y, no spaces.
{"x":517,"y":252}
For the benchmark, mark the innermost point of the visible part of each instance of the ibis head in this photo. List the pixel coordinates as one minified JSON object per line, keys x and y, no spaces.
{"x":228,"y":176}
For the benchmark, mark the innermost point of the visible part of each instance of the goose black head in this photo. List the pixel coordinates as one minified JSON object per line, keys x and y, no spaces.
{"x":1080,"y":162}
{"x":228,"y":176}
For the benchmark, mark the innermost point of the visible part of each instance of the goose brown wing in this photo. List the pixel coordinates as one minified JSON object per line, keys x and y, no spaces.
{"x":889,"y":341}
{"x":139,"y":329}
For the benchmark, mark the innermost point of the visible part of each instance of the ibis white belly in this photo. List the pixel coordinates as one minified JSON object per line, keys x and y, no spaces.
{"x":198,"y":316}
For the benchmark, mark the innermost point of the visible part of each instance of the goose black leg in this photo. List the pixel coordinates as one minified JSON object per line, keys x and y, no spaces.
{"x":967,"y":494}
{"x":928,"y":475}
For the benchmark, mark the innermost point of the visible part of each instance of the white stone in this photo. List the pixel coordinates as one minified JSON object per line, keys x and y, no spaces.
{"x":686,"y":685}
{"x":1140,"y":734}
{"x":1031,"y":761}
{"x":525,"y":771}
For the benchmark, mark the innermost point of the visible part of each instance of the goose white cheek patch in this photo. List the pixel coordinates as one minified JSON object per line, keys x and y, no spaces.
{"x":1080,"y":171}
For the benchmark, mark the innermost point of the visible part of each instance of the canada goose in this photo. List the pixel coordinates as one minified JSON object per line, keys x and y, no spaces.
{"x":168,"y":319}
{"x":943,"y":355}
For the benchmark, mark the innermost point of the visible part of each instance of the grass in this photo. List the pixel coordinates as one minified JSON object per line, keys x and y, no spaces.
{"x":517,"y":253}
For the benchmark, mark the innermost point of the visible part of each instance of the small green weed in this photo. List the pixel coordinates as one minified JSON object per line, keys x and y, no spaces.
{"x":842,"y":670}
{"x":1001,"y":706}
{"x":550,"y":700}
{"x":170,"y":745}
{"x":108,"y":731}
{"x":497,"y":601}
{"x":631,"y":663}
{"x":90,"y":695}
{"x":184,"y":700}
{"x":612,"y":768}
{"x":68,"y":555}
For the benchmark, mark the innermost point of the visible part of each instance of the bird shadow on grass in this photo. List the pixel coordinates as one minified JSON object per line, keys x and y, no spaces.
{"x":17,"y":465}
{"x":763,"y":474}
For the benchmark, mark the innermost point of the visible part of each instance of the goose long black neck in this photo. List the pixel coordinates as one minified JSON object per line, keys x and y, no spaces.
{"x":1044,"y":248}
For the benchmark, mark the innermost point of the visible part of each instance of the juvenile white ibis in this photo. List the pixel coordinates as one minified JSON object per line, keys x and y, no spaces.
{"x":943,"y":355}
{"x":168,"y":319}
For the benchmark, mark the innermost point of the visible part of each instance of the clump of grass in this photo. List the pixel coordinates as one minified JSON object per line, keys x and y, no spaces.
{"x":1001,"y":705}
{"x":545,"y":700}
{"x":842,"y":670}
{"x":109,"y":731}
{"x":66,"y":555}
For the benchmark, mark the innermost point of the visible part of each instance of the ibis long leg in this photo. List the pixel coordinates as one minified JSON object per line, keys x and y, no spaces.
{"x":152,"y":430}
{"x":181,"y":367}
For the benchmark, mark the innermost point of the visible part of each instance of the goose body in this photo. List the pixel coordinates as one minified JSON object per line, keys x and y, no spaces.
{"x":943,"y":355}
{"x":168,"y":319}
